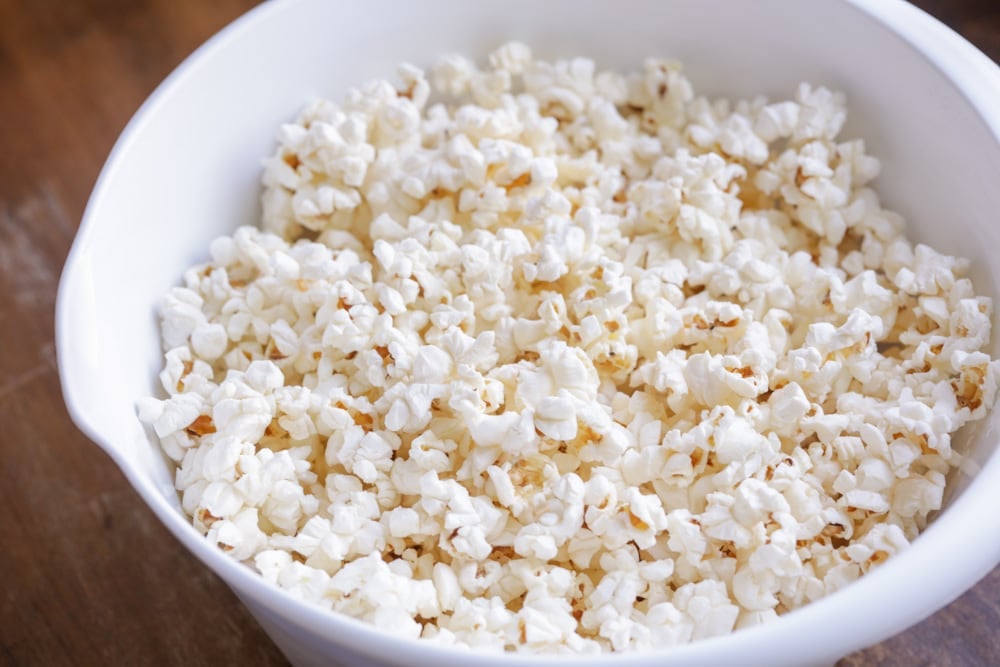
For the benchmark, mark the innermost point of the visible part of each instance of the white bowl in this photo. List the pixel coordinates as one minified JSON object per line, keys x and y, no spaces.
{"x":187,"y":167}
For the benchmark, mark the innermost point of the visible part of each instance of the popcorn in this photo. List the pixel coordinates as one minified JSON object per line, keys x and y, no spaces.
{"x":542,"y":358}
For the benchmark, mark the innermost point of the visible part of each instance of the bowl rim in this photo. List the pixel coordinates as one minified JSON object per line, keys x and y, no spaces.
{"x":860,"y":608}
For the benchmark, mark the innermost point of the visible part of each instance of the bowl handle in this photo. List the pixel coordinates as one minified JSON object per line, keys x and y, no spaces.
{"x":78,"y":349}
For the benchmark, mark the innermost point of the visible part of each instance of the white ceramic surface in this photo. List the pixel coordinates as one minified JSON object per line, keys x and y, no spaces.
{"x":186,"y":169}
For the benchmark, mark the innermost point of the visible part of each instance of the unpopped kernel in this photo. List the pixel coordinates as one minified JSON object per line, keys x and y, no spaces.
{"x":542,"y":358}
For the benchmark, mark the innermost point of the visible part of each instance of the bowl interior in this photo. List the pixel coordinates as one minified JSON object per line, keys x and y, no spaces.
{"x":187,"y":169}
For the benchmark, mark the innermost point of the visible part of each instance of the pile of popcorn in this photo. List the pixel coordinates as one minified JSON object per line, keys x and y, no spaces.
{"x":541,"y":358}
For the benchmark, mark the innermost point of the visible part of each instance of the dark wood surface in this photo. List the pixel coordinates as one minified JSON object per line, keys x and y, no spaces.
{"x":89,"y":577}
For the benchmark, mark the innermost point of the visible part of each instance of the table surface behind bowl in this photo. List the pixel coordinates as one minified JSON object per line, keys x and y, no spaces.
{"x":90,"y":576}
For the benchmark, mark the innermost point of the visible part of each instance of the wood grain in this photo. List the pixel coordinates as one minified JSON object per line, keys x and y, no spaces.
{"x":89,"y":574}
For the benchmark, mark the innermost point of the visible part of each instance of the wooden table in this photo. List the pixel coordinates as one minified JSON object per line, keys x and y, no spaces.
{"x":89,"y":575}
